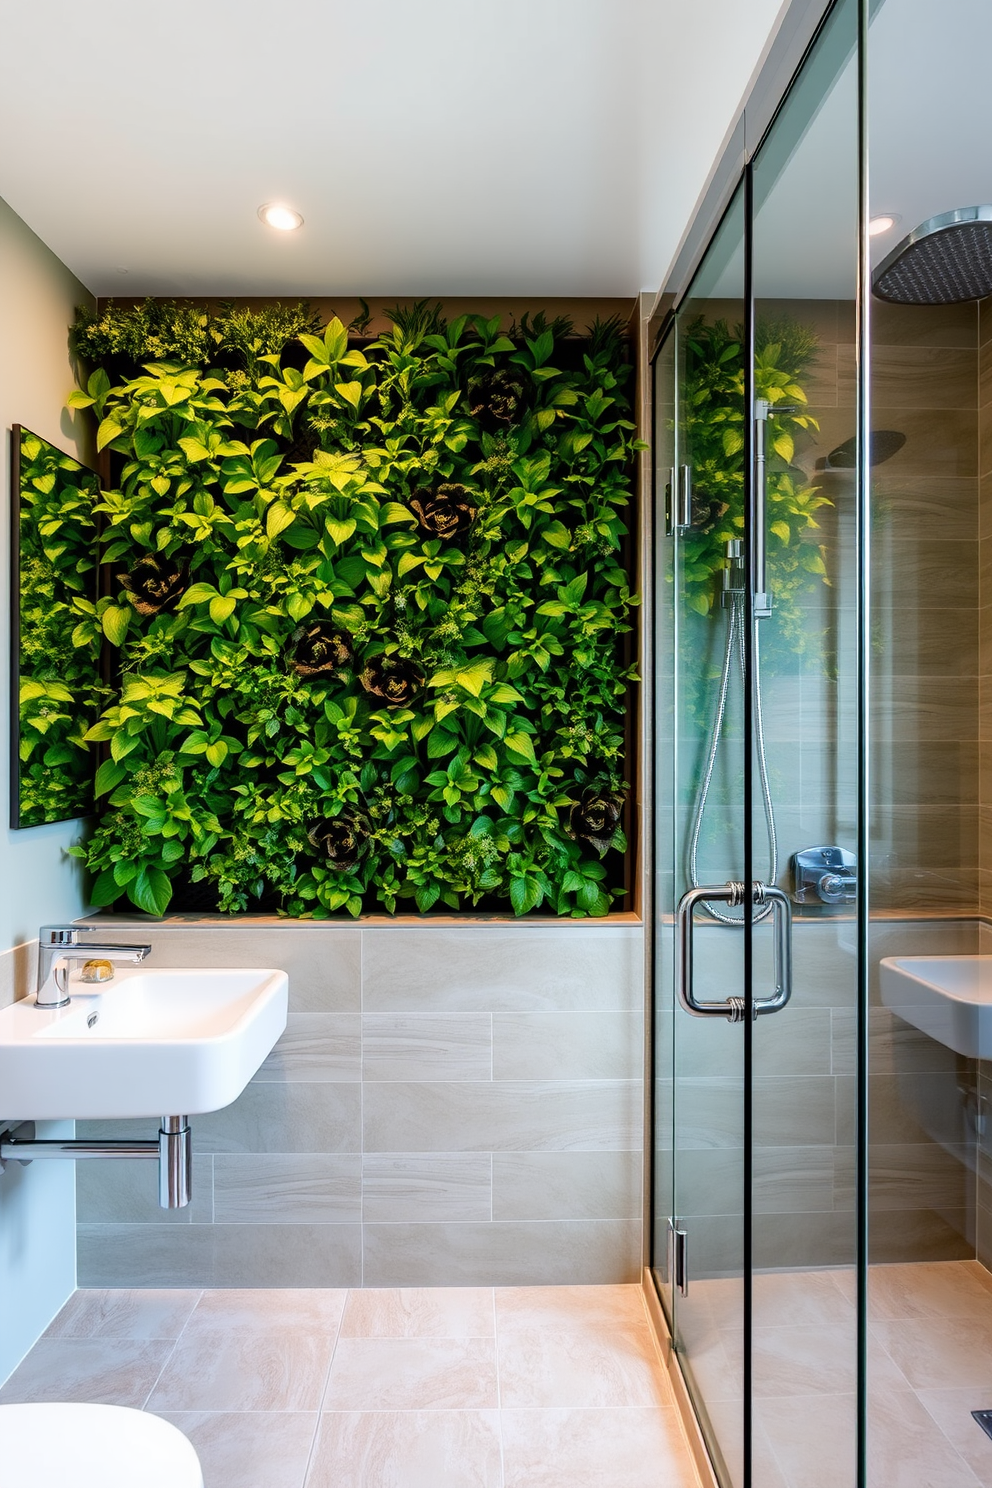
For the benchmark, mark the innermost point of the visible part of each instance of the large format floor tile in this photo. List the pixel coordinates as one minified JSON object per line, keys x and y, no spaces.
{"x":412,"y":1374}
{"x":408,"y":1449}
{"x":524,"y":1387}
{"x":250,"y":1450}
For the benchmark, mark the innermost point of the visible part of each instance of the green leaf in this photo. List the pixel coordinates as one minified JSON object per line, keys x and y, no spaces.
{"x":221,"y":606}
{"x":217,"y":752}
{"x":197,"y":594}
{"x":474,"y":677}
{"x":486,"y":757}
{"x":115,"y":621}
{"x":427,"y":896}
{"x":525,"y":894}
{"x":440,"y":744}
{"x":105,"y":889}
{"x":558,"y":535}
{"x":108,"y":777}
{"x":278,"y":517}
{"x":522,"y":745}
{"x":151,"y":891}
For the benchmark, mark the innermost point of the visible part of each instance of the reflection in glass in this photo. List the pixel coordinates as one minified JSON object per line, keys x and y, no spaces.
{"x":56,"y":677}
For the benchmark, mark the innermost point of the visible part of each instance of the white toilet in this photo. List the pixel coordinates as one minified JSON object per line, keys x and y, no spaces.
{"x":93,"y":1446}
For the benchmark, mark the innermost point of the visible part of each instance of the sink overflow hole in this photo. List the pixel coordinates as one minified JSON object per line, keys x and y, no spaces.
{"x":91,"y":1019}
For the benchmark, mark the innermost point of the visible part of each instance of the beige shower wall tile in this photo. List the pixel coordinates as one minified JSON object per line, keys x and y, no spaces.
{"x":568,"y":1046}
{"x":316,"y":1046}
{"x":909,"y":508}
{"x":934,"y":836}
{"x":911,"y":707}
{"x":929,"y":772}
{"x":942,"y":572}
{"x":939,"y":638}
{"x":412,"y":1188}
{"x":323,"y":962}
{"x":922,"y":376}
{"x":575,"y":1115}
{"x":940,"y":442}
{"x":924,"y":325}
{"x":287,"y":1188}
{"x":797,"y":1045}
{"x":793,"y":1180}
{"x":923,"y":1176}
{"x":794,"y":1111}
{"x":488,"y":968}
{"x":427,"y":1046}
{"x":566,"y":1185}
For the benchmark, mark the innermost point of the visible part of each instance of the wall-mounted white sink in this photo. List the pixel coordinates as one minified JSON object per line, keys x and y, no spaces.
{"x":948,"y":997}
{"x":148,"y":1043}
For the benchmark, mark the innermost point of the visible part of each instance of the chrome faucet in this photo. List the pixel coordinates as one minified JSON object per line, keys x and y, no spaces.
{"x":59,"y":946}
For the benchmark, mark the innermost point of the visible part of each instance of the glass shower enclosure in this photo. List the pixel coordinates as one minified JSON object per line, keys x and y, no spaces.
{"x":759,"y":631}
{"x":821,"y":917}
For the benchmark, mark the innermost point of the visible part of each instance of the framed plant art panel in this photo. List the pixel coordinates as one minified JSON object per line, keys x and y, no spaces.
{"x":55,"y":648}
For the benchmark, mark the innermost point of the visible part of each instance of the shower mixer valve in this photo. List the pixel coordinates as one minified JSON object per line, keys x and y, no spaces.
{"x":824,"y":875}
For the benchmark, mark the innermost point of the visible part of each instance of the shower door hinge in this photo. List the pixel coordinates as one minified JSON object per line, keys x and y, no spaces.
{"x":678,"y":1240}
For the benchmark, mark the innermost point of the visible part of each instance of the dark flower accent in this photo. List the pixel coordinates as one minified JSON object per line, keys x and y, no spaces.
{"x":395,"y":681}
{"x":706,"y":510}
{"x":495,"y":399}
{"x":447,"y":511}
{"x":341,"y":840}
{"x":155,"y":583}
{"x":321,"y":649}
{"x":595,"y":818}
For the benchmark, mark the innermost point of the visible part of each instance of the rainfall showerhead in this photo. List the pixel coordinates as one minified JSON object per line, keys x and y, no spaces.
{"x":945,"y":260}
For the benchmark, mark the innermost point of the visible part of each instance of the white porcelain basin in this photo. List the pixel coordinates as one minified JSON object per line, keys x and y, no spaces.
{"x":149,"y":1043}
{"x":948,"y":997}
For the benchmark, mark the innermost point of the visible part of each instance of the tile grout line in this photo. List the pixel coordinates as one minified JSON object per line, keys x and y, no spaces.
{"x":499,"y":1394}
{"x":323,"y":1392}
{"x":169,"y":1356}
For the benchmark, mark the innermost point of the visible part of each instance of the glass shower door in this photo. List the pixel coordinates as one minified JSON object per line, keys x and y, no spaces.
{"x":707,"y":1235}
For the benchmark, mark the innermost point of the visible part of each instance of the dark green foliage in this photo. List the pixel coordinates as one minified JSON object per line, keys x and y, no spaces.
{"x":714,"y":429}
{"x":59,"y":645}
{"x":370,"y":642}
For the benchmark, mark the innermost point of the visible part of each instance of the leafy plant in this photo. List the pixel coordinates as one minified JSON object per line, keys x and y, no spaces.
{"x":714,"y":429}
{"x":369,"y":605}
{"x":58,"y":650}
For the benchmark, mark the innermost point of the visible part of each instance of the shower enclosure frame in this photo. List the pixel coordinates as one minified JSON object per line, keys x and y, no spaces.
{"x":785,"y":60}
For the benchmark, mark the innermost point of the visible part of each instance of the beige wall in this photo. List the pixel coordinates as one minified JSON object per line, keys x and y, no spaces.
{"x":449,"y":1106}
{"x":39,"y":882}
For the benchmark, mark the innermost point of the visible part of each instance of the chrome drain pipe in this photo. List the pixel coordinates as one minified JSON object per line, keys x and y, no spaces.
{"x":173,"y":1150}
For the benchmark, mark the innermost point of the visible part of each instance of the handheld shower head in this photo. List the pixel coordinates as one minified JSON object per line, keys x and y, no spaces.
{"x":945,"y":260}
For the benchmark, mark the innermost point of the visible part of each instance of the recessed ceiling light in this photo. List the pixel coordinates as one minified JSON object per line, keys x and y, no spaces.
{"x":273,"y":214}
{"x":882,"y":224}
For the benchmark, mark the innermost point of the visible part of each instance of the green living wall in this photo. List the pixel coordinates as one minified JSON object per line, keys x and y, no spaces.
{"x":368,"y":604}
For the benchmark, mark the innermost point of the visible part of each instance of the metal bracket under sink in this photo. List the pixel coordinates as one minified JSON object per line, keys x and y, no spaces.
{"x":173,"y":1150}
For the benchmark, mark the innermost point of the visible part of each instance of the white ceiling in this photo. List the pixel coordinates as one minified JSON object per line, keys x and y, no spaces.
{"x":433,"y":146}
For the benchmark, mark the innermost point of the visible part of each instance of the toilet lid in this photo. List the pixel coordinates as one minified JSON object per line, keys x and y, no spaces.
{"x":93,"y":1446}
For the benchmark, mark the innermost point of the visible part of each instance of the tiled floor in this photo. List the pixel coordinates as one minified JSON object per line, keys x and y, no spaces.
{"x":530,"y":1387}
{"x":929,"y":1361}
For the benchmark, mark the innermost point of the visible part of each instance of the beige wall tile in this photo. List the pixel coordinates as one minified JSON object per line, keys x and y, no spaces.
{"x":563,"y":1252}
{"x":411,"y":1188}
{"x":568,"y":1046}
{"x":566,"y":1185}
{"x":913,"y":1235}
{"x":316,"y":1046}
{"x":427,"y":1046}
{"x":525,"y":968}
{"x":287,"y":1188}
{"x":924,"y":325}
{"x":924,"y":376}
{"x":125,"y":1192}
{"x":271,"y":1255}
{"x":601,"y":1115}
{"x":292,"y":1117}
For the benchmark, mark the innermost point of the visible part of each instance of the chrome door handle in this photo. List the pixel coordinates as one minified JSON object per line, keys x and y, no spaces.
{"x":733,"y":1008}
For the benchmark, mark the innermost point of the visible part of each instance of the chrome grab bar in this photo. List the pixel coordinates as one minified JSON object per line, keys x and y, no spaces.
{"x":733,"y":1008}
